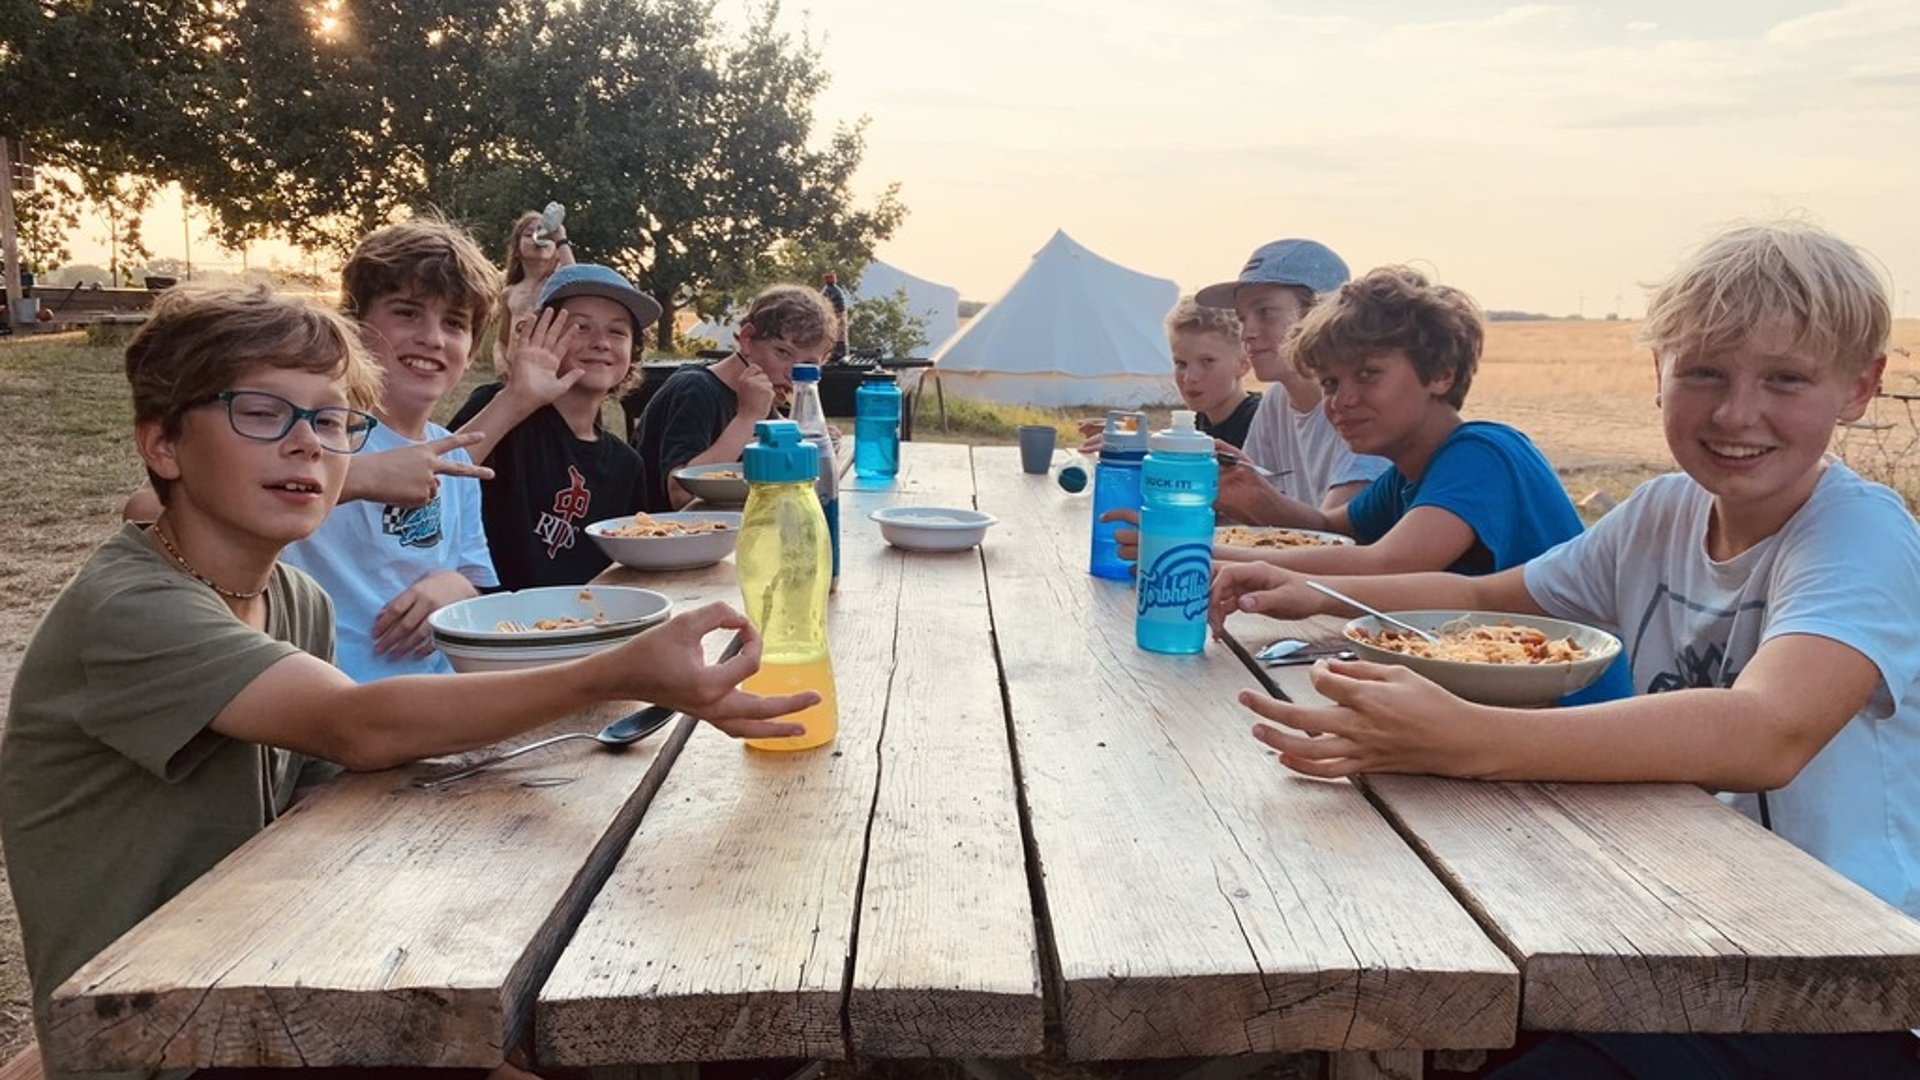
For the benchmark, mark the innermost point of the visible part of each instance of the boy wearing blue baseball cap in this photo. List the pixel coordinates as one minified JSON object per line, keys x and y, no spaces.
{"x":1290,"y":435}
{"x":555,"y":469}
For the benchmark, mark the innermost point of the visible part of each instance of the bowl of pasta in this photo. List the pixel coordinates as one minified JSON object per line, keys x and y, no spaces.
{"x":723,"y":484}
{"x":1490,"y":657}
{"x":1267,"y":538}
{"x":680,"y":541}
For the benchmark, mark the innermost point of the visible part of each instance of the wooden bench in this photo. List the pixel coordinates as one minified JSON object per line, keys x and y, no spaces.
{"x":24,"y":1065}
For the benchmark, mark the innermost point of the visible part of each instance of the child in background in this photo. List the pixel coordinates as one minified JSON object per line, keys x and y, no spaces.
{"x":1290,"y":435}
{"x":556,"y":469}
{"x":529,"y":265}
{"x":420,"y":291}
{"x":1209,"y":370}
{"x":704,"y":414}
{"x":180,"y":680}
{"x":1763,"y":561}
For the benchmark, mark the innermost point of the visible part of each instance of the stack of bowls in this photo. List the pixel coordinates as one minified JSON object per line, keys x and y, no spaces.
{"x":499,"y":632}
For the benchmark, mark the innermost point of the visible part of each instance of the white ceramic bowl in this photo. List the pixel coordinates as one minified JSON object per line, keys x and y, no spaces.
{"x":1320,"y":539}
{"x":1524,"y":685}
{"x":932,"y":528}
{"x":476,"y":622}
{"x":681,"y":552}
{"x":720,"y":484}
{"x":475,"y":658}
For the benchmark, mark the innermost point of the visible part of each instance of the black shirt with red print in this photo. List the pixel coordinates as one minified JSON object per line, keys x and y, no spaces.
{"x":548,"y":485}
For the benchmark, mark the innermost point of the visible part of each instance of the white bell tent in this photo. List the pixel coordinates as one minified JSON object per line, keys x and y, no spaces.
{"x":938,"y":305}
{"x":1075,"y":329}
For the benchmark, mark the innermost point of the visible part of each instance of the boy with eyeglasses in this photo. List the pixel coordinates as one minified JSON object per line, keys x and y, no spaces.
{"x":420,"y":290}
{"x":180,"y":680}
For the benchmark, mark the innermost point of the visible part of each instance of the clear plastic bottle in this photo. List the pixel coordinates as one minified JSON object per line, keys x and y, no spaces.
{"x":812,"y":419}
{"x":550,"y":221}
{"x":1116,"y":486}
{"x":837,"y":300}
{"x":876,"y":426}
{"x":1178,"y":481}
{"x":785,"y":567}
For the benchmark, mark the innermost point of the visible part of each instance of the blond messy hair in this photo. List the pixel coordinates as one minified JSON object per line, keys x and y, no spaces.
{"x":793,"y":312}
{"x":1749,"y":279}
{"x":199,"y":340}
{"x":1190,"y":316}
{"x":428,"y":255}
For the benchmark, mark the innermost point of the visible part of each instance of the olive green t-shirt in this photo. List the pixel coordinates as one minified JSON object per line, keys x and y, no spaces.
{"x":114,"y":791}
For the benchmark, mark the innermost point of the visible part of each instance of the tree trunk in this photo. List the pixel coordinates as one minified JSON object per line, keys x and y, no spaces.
{"x":663,"y":330}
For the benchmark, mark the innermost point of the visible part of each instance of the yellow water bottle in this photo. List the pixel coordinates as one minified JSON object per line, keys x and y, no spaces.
{"x":785,"y":564}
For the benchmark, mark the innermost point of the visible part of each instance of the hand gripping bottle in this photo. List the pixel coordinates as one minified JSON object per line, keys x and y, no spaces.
{"x":1177,"y":484}
{"x":1116,"y":486}
{"x":785,"y":565}
{"x":812,"y":418}
{"x":876,"y":426}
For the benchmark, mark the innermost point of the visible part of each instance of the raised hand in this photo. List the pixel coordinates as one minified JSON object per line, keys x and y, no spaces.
{"x":1093,"y":435}
{"x":410,"y":475}
{"x":755,"y":392}
{"x":675,"y":672}
{"x":539,"y":349}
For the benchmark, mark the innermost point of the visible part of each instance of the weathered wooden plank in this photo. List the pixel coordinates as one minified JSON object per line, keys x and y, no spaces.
{"x":947,"y":963}
{"x":727,"y":929}
{"x":1201,"y":902}
{"x":375,"y":924}
{"x":1651,"y":907}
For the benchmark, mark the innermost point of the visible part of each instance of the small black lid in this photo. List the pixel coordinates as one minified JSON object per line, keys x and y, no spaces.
{"x":879,"y":374}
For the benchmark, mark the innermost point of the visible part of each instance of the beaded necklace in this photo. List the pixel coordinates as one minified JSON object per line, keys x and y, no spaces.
{"x":197,"y":575}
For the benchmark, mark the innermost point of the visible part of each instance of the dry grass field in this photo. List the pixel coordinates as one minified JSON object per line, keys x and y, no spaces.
{"x":1583,"y":390}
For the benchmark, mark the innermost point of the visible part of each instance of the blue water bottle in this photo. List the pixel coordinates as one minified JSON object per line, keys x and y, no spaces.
{"x":1177,"y":484}
{"x":1116,"y":486}
{"x":876,"y":427}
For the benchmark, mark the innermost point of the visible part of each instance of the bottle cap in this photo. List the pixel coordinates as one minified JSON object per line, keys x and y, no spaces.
{"x":1126,"y":433}
{"x":1182,"y":437}
{"x":778,"y":456}
{"x":806,"y":373}
{"x":879,"y":375}
{"x":1072,"y":478}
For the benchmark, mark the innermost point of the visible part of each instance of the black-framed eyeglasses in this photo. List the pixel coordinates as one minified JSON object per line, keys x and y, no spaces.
{"x":256,"y":414}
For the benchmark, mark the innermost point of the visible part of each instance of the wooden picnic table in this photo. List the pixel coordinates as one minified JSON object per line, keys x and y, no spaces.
{"x":1021,"y":810}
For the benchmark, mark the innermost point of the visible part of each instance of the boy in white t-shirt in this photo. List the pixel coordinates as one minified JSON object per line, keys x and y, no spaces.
{"x":1766,"y":560}
{"x":1290,"y":436}
{"x":420,"y":291}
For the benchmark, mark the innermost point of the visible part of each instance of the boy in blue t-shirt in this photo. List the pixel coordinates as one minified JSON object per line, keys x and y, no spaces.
{"x":1764,"y":561}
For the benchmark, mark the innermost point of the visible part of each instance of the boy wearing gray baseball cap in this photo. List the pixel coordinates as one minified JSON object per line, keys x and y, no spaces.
{"x":1290,"y":435}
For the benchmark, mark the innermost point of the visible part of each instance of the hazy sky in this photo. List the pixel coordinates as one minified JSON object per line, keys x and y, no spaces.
{"x":1528,"y":153}
{"x":1533,"y":154}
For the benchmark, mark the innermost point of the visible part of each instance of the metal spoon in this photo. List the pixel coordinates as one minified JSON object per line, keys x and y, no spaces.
{"x":616,"y":736}
{"x":1381,"y":615}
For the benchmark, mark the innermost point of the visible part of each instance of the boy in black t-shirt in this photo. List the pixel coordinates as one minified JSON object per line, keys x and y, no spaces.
{"x":705,"y":414}
{"x":555,"y":470}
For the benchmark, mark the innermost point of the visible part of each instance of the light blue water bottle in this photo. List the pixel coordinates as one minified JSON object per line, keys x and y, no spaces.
{"x":1177,"y":484}
{"x":876,"y":427}
{"x":1116,"y":486}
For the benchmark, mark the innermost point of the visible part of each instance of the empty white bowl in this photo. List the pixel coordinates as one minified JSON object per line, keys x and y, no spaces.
{"x":720,"y":484}
{"x":682,"y":551}
{"x":932,"y":528}
{"x":608,"y":612}
{"x":1524,"y":685}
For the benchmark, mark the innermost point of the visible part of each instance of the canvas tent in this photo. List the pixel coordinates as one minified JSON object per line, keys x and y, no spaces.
{"x":938,"y":304}
{"x":1075,"y":329}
